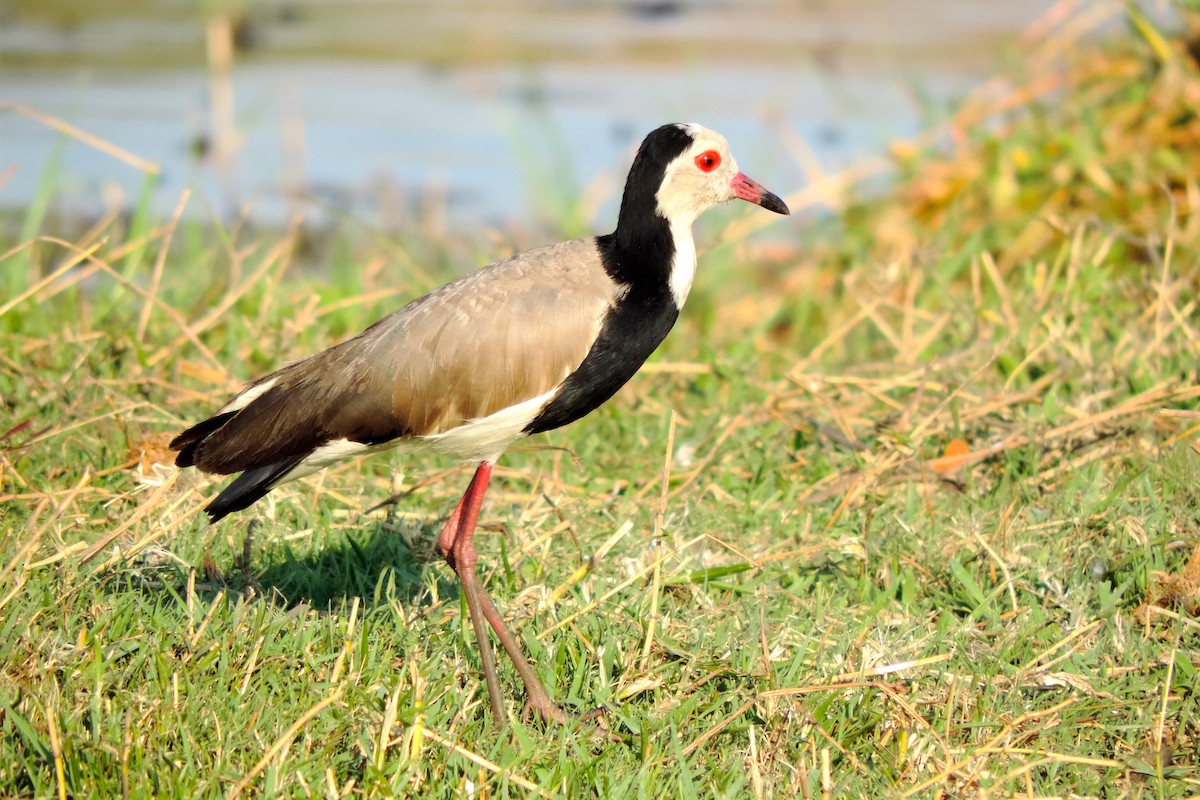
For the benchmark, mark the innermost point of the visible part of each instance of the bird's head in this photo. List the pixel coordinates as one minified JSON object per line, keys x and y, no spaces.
{"x":698,"y":173}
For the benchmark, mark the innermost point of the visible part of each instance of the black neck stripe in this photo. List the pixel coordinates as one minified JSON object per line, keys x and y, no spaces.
{"x":639,"y":255}
{"x":641,"y":247}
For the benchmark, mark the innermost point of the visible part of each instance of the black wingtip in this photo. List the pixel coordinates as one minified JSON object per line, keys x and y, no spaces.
{"x":248,"y":488}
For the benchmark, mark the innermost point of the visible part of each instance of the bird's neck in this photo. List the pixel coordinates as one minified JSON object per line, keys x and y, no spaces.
{"x":651,"y":253}
{"x":683,"y":264}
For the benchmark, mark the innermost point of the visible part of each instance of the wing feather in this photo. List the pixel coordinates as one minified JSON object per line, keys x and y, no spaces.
{"x":500,"y":336}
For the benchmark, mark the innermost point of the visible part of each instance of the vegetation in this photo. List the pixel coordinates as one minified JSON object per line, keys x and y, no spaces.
{"x":908,"y":511}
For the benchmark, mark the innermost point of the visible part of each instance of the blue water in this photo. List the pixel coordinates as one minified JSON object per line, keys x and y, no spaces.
{"x":485,"y":137}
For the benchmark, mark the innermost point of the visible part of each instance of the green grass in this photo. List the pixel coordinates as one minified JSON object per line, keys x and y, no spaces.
{"x":815,"y":606}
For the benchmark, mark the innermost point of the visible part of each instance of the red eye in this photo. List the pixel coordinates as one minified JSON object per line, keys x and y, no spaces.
{"x":708,"y":160}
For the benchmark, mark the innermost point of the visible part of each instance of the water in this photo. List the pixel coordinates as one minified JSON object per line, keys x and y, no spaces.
{"x":471,"y":113}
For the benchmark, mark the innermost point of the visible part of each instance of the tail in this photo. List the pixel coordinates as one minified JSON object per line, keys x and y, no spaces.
{"x":187,"y":442}
{"x":271,"y":430}
{"x":247,"y":488}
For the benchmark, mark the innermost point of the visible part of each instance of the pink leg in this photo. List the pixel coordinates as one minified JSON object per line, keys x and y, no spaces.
{"x":457,"y":544}
{"x":536,"y":695}
{"x":451,"y":530}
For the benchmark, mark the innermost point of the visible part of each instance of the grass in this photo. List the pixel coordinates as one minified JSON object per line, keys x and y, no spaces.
{"x":908,"y":511}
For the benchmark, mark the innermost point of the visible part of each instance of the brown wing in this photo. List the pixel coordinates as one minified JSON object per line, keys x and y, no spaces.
{"x":505,"y":334}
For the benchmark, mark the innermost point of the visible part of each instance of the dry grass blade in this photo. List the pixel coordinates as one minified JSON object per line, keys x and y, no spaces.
{"x":159,"y":263}
{"x":716,"y":729}
{"x":620,"y":587}
{"x":284,"y":742}
{"x":57,"y":506}
{"x":150,"y":506}
{"x":77,"y":257}
{"x":56,"y":748}
{"x":659,"y":520}
{"x":490,"y":766}
{"x":276,"y":258}
{"x":1011,"y":730}
{"x":949,"y":447}
{"x":89,"y":139}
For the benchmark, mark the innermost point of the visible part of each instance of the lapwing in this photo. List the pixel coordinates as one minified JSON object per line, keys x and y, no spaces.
{"x":524,"y":345}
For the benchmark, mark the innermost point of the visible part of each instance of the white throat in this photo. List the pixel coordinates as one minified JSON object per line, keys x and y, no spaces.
{"x":683,"y":263}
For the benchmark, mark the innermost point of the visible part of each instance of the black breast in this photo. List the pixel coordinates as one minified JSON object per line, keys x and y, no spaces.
{"x":632,"y":329}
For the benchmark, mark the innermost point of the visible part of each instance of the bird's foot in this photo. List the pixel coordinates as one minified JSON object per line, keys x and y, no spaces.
{"x":594,"y":723}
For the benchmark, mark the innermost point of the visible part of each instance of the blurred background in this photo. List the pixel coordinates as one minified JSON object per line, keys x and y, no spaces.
{"x":457,"y":114}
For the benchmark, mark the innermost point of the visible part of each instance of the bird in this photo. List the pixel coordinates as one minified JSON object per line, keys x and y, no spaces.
{"x":524,"y":345}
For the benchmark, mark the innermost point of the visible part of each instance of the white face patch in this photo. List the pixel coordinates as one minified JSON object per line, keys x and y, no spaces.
{"x":686,"y":192}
